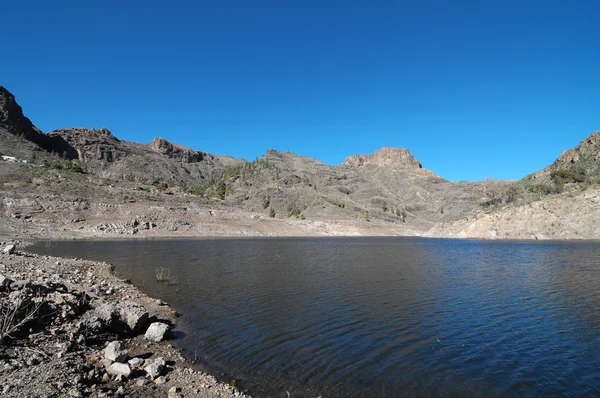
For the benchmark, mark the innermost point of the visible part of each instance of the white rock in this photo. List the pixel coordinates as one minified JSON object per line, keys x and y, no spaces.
{"x":156,"y":331}
{"x":10,"y":249}
{"x":115,"y":351}
{"x":136,"y":362}
{"x":119,"y":369}
{"x":155,"y":367}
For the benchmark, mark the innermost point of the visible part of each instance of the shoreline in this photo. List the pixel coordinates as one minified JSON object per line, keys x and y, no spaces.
{"x":63,"y":281}
{"x":61,"y":350}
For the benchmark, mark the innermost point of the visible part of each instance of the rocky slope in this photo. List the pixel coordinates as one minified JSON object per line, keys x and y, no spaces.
{"x":561,"y":201}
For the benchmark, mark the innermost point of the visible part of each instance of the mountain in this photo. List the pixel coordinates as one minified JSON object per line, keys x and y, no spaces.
{"x":561,"y":201}
{"x":183,"y":190}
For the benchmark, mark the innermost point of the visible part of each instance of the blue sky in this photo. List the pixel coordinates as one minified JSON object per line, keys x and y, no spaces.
{"x":472,"y":88}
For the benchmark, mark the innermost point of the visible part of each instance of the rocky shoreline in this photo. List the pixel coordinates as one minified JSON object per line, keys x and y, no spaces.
{"x":72,"y":328}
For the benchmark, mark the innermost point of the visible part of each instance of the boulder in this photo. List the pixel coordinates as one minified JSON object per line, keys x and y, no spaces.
{"x":136,"y":362}
{"x":155,"y":367}
{"x":156,"y":331}
{"x":119,"y":369}
{"x":134,"y":315}
{"x":4,"y":282}
{"x":116,"y":351}
{"x":120,"y":318}
{"x":10,"y":249}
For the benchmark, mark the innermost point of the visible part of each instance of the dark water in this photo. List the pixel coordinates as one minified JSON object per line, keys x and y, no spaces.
{"x":378,"y":317}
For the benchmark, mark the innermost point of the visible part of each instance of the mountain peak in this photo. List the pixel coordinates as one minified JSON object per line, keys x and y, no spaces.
{"x":11,"y":115}
{"x":386,"y":157}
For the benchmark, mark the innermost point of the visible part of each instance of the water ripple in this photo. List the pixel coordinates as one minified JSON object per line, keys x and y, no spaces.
{"x":379,"y":317}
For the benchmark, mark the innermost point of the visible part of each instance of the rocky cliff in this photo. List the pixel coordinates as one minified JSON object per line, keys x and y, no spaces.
{"x":400,"y":158}
{"x":16,"y":123}
{"x":178,"y":152}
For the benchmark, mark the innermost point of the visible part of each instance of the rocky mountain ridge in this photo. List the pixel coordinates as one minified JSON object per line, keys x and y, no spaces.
{"x":386,"y":157}
{"x":389,"y":187}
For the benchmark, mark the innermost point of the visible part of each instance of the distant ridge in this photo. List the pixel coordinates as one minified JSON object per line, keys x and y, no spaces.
{"x":386,"y":157}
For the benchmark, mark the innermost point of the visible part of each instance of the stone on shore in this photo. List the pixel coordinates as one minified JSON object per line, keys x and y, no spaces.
{"x":10,"y":249}
{"x":120,"y":318}
{"x":156,"y":331}
{"x":155,"y":367}
{"x":116,"y":351}
{"x":136,"y":362}
{"x":119,"y":369}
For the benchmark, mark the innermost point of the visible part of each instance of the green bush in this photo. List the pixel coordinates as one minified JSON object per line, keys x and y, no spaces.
{"x":221,"y":190}
{"x":295,"y":209}
{"x":566,"y":176}
{"x":196,"y":189}
{"x":73,"y":167}
{"x":161,"y":186}
{"x":544,"y":189}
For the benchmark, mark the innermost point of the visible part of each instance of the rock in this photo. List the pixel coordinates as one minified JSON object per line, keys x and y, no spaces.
{"x":120,"y":318}
{"x":160,"y":380}
{"x":156,"y":331}
{"x":10,"y":249}
{"x":134,"y":315}
{"x":386,"y":157}
{"x":136,"y":362}
{"x":174,"y":392}
{"x":177,"y":152}
{"x":119,"y":369}
{"x":19,"y":285}
{"x":116,"y":351}
{"x":141,"y":382}
{"x":4,"y":282}
{"x":155,"y":367}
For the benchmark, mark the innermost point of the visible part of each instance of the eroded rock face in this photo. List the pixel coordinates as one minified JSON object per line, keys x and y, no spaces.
{"x":175,"y":151}
{"x":92,"y":144}
{"x":386,"y":157}
{"x":15,"y":122}
{"x":11,"y":115}
{"x":585,"y":155}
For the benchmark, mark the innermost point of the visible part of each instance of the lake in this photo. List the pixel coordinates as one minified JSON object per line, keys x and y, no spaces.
{"x":376,"y":317}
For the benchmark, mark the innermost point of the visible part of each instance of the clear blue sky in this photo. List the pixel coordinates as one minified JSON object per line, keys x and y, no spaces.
{"x":472,"y":88}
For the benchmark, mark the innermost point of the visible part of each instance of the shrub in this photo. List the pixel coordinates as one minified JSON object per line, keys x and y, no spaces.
{"x":271,"y":212}
{"x":73,"y":166}
{"x":221,"y":190}
{"x":196,"y":189}
{"x":565,"y":176}
{"x":295,"y":209}
{"x":544,"y":189}
{"x":161,"y":186}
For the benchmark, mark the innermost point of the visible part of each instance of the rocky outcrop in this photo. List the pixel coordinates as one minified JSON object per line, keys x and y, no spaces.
{"x":177,"y":152}
{"x":585,"y":155}
{"x":12,"y":118}
{"x":15,"y":122}
{"x":92,"y":144}
{"x":386,"y":157}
